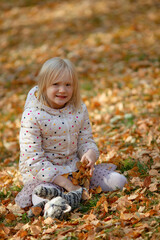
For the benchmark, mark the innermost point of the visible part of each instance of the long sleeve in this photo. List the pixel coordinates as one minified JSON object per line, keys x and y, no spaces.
{"x":33,"y":161}
{"x":85,"y":138}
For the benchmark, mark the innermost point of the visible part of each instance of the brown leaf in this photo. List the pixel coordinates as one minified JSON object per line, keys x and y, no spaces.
{"x":126,"y":216}
{"x":78,"y":164}
{"x":85,"y":195}
{"x":87,"y":184}
{"x":98,"y":189}
{"x":101,"y":200}
{"x":51,"y":230}
{"x":133,"y":197}
{"x":49,"y":221}
{"x":5,"y":229}
{"x":10,"y":216}
{"x":35,"y":230}
{"x":147,"y":181}
{"x":3,"y":210}
{"x":153,"y":187}
{"x":153,"y":172}
{"x":36,"y":210}
{"x":19,"y":226}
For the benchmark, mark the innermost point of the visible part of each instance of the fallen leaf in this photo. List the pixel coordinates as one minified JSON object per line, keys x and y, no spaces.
{"x":153,"y":172}
{"x":153,"y":187}
{"x":35,"y":230}
{"x":126,"y":216}
{"x":10,"y":216}
{"x":105,"y":205}
{"x":133,"y":197}
{"x":51,"y":230}
{"x":36,"y":210}
{"x":49,"y":221}
{"x":147,"y":181}
{"x":98,"y":189}
{"x":22,"y":233}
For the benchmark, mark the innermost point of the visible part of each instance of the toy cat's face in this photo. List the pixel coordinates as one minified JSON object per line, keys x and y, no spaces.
{"x":56,"y":208}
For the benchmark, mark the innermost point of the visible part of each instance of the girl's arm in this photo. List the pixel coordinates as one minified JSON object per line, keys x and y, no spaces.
{"x":87,"y":149}
{"x":33,"y":162}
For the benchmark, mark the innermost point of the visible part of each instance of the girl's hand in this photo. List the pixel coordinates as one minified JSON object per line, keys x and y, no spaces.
{"x":89,"y":158}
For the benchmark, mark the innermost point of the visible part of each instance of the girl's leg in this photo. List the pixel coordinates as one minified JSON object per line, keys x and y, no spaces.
{"x":108,"y":180}
{"x":39,"y":190}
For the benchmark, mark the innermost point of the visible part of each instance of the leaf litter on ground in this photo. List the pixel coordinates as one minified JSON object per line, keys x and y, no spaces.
{"x":115,"y":48}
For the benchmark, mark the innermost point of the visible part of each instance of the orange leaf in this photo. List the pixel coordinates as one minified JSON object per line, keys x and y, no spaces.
{"x":78,"y":164}
{"x":11,"y":216}
{"x":98,"y":189}
{"x":77,"y":176}
{"x":74,"y":174}
{"x":22,"y":233}
{"x":75,"y":181}
{"x":36,"y":210}
{"x":65,"y":175}
{"x":3,"y":234}
{"x":101,"y":200}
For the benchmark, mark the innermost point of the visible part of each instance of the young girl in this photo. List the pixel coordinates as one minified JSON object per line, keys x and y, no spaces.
{"x":56,"y":133}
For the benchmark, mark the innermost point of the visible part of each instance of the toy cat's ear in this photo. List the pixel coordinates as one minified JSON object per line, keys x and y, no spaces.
{"x":68,"y":208}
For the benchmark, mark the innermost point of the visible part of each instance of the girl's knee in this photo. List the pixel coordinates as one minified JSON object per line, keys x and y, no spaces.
{"x":36,"y":199}
{"x":114,"y":181}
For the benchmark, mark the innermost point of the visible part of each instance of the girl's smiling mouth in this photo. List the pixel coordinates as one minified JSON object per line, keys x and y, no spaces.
{"x":61,"y":96}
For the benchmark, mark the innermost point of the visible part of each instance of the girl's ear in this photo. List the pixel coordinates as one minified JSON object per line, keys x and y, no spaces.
{"x":68,"y":208}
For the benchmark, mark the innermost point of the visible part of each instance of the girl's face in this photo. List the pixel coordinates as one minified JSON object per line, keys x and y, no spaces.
{"x":60,"y":92}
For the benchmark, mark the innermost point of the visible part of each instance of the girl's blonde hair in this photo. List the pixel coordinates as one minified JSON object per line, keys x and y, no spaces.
{"x":53,"y":69}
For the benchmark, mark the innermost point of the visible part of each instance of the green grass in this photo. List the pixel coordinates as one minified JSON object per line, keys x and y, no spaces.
{"x":87,"y":206}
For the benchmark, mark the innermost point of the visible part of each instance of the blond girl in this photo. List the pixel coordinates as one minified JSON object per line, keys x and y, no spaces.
{"x":56,"y":133}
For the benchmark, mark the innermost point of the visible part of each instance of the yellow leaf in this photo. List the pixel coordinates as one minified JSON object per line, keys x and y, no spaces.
{"x":105,"y":204}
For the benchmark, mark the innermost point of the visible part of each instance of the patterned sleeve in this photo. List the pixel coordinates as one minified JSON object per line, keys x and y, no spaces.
{"x":32,"y":157}
{"x":85,"y":138}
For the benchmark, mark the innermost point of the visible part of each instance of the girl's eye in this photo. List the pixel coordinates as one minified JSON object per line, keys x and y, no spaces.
{"x":55,"y":84}
{"x":68,"y":84}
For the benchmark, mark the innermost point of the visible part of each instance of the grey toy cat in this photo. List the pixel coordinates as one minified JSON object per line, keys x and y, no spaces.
{"x":59,"y":203}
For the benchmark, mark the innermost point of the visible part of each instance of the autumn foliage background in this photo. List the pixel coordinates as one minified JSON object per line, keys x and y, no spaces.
{"x":114,"y":45}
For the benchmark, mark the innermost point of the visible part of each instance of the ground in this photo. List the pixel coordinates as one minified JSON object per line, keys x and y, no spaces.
{"x":115,"y":48}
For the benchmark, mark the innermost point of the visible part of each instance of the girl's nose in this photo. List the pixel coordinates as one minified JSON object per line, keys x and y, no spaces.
{"x":62,"y":89}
